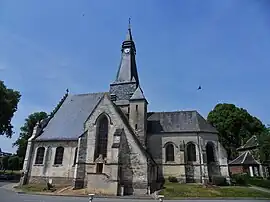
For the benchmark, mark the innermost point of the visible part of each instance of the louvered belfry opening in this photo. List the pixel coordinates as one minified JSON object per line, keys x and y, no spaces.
{"x":102,"y":137}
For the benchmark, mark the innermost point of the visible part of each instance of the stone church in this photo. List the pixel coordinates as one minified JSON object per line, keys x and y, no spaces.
{"x":109,"y":143}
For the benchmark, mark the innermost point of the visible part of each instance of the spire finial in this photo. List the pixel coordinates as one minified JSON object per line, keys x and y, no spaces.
{"x":129,"y":23}
{"x":67,"y":91}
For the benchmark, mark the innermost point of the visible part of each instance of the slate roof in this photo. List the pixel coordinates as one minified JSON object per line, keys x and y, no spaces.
{"x":127,"y":71}
{"x":178,"y":121}
{"x":251,"y":143}
{"x":138,"y":94}
{"x":246,"y":158}
{"x":68,"y":122}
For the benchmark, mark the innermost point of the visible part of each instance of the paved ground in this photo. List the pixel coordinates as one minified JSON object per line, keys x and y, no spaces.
{"x":10,"y":196}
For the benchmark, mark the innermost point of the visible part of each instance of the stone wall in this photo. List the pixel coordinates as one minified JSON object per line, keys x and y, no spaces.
{"x":101,"y":184}
{"x":57,"y":181}
{"x":187,"y":171}
{"x":137,"y":119}
{"x":47,"y":170}
{"x":135,"y":161}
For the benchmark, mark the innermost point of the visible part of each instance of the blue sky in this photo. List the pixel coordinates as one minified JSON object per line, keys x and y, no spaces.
{"x":49,"y":46}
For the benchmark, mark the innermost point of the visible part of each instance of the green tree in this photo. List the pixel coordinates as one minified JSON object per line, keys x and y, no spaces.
{"x":9,"y":100}
{"x":26,"y":132}
{"x":5,"y":162}
{"x":13,"y":163}
{"x":235,"y":126}
{"x":21,"y":159}
{"x":1,"y":163}
{"x":264,"y":149}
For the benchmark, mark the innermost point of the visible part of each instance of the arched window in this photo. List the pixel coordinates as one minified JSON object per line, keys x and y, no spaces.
{"x":59,"y":154}
{"x":75,"y":156}
{"x":102,"y":137}
{"x":191,"y":152}
{"x":40,"y":155}
{"x":170,"y":152}
{"x":210,"y":152}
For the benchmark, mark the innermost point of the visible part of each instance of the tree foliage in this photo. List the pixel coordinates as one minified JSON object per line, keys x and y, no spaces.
{"x":9,"y":100}
{"x":5,"y":162}
{"x":10,"y":163}
{"x":26,"y":131}
{"x":14,"y":163}
{"x":235,"y":126}
{"x":264,"y":149}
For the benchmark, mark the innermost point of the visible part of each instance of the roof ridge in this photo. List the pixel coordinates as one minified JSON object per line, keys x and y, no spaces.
{"x":245,"y":157}
{"x":83,"y":94}
{"x":173,"y":111}
{"x":197,"y":121}
{"x":244,"y":153}
{"x":100,"y":99}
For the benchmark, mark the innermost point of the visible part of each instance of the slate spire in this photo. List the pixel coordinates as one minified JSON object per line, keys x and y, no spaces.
{"x":127,"y":71}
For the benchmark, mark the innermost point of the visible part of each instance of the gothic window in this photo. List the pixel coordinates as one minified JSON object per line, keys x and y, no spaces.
{"x":40,"y":155}
{"x":102,"y":137}
{"x":170,"y":152}
{"x":191,"y":152}
{"x":136,"y":108}
{"x":75,"y":156}
{"x":59,"y":154}
{"x":210,"y":152}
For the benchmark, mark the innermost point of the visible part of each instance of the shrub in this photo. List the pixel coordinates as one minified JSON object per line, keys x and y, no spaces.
{"x":240,"y":179}
{"x":259,"y":182}
{"x":172,"y":179}
{"x":219,"y":181}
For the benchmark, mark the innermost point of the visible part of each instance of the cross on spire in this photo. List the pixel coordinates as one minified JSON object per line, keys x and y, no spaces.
{"x":129,"y":23}
{"x":129,"y":35}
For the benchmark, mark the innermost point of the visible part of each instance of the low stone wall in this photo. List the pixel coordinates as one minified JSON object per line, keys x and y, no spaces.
{"x":101,"y":184}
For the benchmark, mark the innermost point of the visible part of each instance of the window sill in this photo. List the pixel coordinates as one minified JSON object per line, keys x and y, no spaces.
{"x":38,"y":164}
{"x":57,"y":165}
{"x":170,"y":162}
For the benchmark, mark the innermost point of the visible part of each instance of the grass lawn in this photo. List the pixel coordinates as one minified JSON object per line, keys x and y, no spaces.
{"x":10,"y":172}
{"x":259,"y":182}
{"x":176,"y":191}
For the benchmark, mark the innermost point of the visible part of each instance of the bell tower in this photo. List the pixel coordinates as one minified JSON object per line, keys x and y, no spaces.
{"x":127,"y":80}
